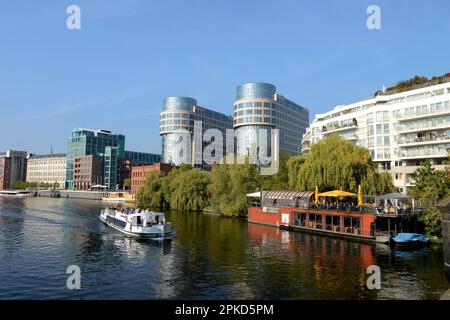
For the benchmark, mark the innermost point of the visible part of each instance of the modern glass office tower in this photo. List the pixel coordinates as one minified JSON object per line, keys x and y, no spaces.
{"x":400,"y":129}
{"x":85,"y":142}
{"x":177,"y":129}
{"x":258,"y":106}
{"x":141,"y":158}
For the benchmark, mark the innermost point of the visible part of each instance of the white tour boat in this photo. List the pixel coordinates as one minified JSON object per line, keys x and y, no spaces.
{"x":16,"y":193}
{"x":143,"y":224}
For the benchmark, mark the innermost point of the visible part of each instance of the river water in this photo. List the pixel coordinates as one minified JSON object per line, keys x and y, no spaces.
{"x":212,"y":257}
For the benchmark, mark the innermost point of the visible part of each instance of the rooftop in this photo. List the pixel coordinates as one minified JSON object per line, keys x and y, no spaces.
{"x":53,"y":155}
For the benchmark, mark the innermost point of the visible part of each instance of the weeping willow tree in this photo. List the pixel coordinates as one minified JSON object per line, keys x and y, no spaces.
{"x":336,"y":163}
{"x":188,"y":189}
{"x":230,"y":185}
{"x":151,"y":194}
{"x":183,"y":188}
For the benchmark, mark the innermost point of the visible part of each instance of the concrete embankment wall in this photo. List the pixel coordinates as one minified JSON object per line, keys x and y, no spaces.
{"x":91,"y":195}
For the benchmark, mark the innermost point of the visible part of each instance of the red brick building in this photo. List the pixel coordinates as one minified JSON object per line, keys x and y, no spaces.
{"x":5,"y":173}
{"x":87,"y":172}
{"x":139,"y":173}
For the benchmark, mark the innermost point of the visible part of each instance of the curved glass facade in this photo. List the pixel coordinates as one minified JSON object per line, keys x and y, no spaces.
{"x":179,"y":103}
{"x":257,"y":106}
{"x":248,"y":138}
{"x":176,"y":148}
{"x":177,"y":128}
{"x":255,"y":90}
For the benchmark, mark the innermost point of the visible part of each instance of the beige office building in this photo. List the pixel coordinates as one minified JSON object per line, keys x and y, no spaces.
{"x":48,"y":168}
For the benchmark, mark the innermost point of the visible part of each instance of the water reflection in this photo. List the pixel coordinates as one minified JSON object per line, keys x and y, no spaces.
{"x":327,"y":267}
{"x":211,"y":257}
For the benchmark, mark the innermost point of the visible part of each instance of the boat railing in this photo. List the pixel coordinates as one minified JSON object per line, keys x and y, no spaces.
{"x":340,"y":208}
{"x":345,"y":208}
{"x":396,"y":211}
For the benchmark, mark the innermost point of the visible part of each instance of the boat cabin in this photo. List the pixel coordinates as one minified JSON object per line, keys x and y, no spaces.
{"x":333,"y":212}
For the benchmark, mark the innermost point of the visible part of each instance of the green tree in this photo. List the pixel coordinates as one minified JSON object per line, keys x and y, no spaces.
{"x":151,"y":193}
{"x":220,"y":187}
{"x":432,"y":218}
{"x":230,"y":185}
{"x":293,"y":166}
{"x":437,"y":182}
{"x":335,"y":163}
{"x":279,"y":181}
{"x":430,"y":186}
{"x":127,"y":183}
{"x":189,"y":189}
{"x":19,"y":185}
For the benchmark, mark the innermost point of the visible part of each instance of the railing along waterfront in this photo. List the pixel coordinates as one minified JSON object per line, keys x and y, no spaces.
{"x":341,"y":208}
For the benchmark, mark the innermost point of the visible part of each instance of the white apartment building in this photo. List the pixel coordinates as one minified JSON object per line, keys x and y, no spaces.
{"x":48,"y":168}
{"x":400,"y":129}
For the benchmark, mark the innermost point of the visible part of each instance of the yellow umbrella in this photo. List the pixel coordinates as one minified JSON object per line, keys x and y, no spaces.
{"x":317,"y":195}
{"x":360,"y":196}
{"x":337,"y":194}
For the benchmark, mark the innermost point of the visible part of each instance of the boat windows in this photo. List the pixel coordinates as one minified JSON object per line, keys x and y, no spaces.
{"x":352,"y":225}
{"x":315,"y":221}
{"x":300,"y":219}
{"x":328,"y":222}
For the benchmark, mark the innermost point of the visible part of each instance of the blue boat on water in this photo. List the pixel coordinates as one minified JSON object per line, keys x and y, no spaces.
{"x":410,"y":239}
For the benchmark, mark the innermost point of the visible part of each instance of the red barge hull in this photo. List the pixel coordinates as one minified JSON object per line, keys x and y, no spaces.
{"x":358,"y":225}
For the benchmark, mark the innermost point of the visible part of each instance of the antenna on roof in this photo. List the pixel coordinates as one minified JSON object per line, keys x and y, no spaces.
{"x":51,"y":148}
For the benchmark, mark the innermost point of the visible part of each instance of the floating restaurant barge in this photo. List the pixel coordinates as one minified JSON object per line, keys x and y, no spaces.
{"x":298,"y":211}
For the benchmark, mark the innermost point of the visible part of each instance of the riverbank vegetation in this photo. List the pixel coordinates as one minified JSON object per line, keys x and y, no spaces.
{"x":22,"y":185}
{"x":332,"y":164}
{"x":431,"y":186}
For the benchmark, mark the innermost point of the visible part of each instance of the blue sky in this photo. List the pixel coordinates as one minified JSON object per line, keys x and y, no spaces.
{"x":130,"y":54}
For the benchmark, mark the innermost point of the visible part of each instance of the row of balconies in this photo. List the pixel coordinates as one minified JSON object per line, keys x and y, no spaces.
{"x":427,"y":139}
{"x":423,"y":127}
{"x":412,"y":169}
{"x":340,"y":127}
{"x":425,"y":113}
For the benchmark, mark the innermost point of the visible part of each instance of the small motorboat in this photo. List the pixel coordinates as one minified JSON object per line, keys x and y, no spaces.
{"x":136,"y":223}
{"x":410,"y":240}
{"x":115,"y":197}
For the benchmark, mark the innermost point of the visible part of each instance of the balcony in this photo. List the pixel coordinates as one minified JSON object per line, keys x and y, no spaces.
{"x":413,"y":169}
{"x":423,"y":155}
{"x":340,"y":127}
{"x":427,"y":140}
{"x":425,"y":114}
{"x":306,"y":138}
{"x":420,"y":127}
